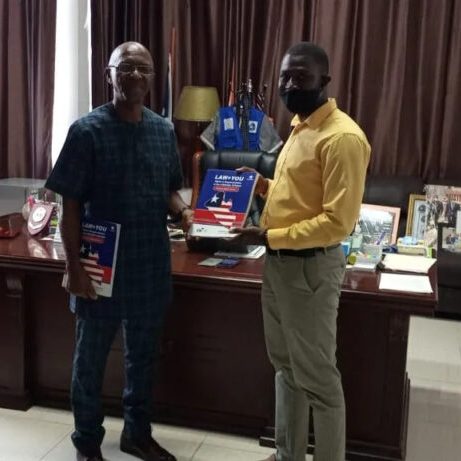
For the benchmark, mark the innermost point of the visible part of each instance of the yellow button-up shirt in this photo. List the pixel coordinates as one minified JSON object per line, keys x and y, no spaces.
{"x":315,"y":196}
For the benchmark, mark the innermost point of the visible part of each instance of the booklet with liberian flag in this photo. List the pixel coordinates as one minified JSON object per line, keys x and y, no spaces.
{"x":98,"y":253}
{"x":224,"y":201}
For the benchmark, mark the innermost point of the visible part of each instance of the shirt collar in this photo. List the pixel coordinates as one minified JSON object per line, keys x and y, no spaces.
{"x":318,"y":116}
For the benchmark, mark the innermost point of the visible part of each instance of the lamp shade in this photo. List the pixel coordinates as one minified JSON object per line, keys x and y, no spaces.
{"x":197,"y":104}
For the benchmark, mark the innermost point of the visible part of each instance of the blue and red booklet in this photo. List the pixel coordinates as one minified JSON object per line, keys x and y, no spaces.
{"x":224,"y":201}
{"x":98,"y":253}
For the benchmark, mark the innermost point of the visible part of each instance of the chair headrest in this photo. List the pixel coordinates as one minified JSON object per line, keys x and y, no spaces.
{"x":262,"y":162}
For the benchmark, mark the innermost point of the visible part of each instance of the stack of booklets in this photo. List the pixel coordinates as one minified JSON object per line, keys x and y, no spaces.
{"x":224,"y":201}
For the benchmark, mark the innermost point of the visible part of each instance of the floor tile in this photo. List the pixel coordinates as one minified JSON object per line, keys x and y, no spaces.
{"x":236,"y":442}
{"x":6,"y":412}
{"x":436,"y":402}
{"x":434,"y":367}
{"x":23,"y":439}
{"x":112,"y":423}
{"x":434,"y":340}
{"x":215,"y":453}
{"x":163,"y":431}
{"x":424,"y":369}
{"x":52,"y":415}
{"x":434,"y":350}
{"x":433,"y":442}
{"x":66,"y":451}
{"x":183,"y":443}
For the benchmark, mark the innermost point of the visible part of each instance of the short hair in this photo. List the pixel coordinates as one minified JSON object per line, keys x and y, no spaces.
{"x":123,"y":47}
{"x":309,"y":49}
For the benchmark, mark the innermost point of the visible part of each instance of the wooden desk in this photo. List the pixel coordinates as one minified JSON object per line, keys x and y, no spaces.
{"x":213,"y":372}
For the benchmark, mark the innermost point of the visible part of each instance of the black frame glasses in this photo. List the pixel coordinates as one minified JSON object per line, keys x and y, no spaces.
{"x":125,"y":68}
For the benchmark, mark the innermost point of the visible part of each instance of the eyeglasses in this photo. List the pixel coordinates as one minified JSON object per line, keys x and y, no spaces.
{"x":126,"y":68}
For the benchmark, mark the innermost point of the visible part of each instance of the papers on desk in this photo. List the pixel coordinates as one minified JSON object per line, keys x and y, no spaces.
{"x":363,"y":266}
{"x":408,"y":263}
{"x":255,"y":253}
{"x":404,"y":282}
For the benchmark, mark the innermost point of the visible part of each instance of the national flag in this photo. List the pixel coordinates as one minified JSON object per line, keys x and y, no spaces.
{"x":231,"y":100}
{"x":167,"y":110}
{"x":224,"y":199}
{"x":90,"y":262}
{"x":221,"y":209}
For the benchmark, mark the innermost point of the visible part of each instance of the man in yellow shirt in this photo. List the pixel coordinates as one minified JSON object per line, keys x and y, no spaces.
{"x":312,"y":204}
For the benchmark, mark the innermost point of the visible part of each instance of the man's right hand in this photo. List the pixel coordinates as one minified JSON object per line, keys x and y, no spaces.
{"x":79,"y":283}
{"x":261,"y":185}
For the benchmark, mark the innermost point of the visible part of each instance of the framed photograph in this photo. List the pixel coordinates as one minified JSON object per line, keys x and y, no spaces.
{"x":449,"y":239}
{"x":443,"y":205}
{"x":379,"y":224}
{"x":417,"y":215}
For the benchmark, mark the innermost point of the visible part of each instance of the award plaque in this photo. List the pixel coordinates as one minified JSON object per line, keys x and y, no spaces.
{"x":39,"y":217}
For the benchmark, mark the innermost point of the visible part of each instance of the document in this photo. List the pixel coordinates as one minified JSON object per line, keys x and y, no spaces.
{"x":408,"y":263}
{"x":224,"y":202}
{"x":255,"y":253}
{"x":210,"y":262}
{"x":363,"y":266}
{"x":98,"y":253}
{"x":404,"y":282}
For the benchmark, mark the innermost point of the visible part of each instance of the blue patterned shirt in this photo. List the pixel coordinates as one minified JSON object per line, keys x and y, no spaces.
{"x":124,"y":172}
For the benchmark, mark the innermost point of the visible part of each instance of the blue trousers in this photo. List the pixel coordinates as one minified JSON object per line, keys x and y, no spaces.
{"x":93,"y":341}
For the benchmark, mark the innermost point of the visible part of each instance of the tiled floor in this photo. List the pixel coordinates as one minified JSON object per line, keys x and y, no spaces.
{"x":434,"y":434}
{"x":434,"y":367}
{"x":43,"y":434}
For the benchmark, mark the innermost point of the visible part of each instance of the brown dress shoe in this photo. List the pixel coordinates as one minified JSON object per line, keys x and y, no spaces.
{"x":96,"y":457}
{"x":149,"y":450}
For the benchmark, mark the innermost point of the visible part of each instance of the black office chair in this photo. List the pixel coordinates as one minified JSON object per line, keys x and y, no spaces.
{"x":448,"y":276}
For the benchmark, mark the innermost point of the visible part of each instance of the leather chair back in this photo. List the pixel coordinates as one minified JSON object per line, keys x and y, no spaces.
{"x":262,"y":162}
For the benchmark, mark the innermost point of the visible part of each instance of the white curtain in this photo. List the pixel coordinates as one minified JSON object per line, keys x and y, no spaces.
{"x":72,"y":95}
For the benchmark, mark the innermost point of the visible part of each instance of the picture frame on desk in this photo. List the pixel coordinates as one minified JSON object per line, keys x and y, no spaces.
{"x":417,"y":216}
{"x":449,"y":239}
{"x":443,"y":205}
{"x":379,"y":224}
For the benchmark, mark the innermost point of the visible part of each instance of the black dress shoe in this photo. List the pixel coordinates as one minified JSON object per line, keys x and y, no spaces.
{"x":96,"y":457}
{"x":149,"y":450}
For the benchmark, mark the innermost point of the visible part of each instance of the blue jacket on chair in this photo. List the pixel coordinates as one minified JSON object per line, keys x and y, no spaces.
{"x":230,"y":133}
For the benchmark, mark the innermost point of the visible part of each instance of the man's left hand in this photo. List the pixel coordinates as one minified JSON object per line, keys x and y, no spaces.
{"x":187,"y":219}
{"x":250,"y":235}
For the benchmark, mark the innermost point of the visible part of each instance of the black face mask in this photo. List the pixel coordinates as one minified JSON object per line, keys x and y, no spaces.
{"x":301,"y":101}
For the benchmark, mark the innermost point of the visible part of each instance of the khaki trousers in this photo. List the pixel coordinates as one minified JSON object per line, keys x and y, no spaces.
{"x":300,"y":298}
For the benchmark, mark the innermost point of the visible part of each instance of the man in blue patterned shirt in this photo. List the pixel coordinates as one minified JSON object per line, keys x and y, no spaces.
{"x":119,"y":163}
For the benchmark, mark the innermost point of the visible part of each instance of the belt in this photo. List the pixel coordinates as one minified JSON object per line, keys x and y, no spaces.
{"x":304,"y":253}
